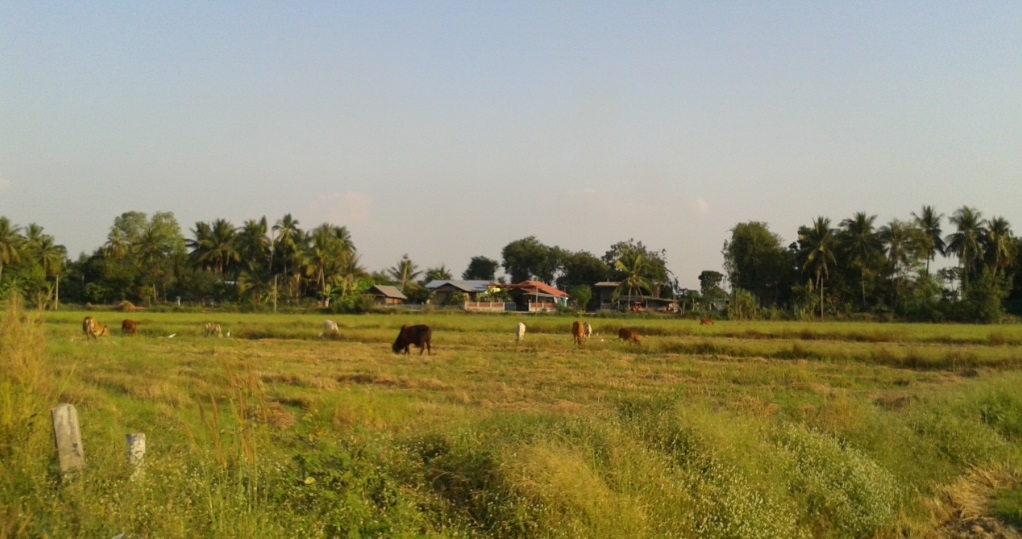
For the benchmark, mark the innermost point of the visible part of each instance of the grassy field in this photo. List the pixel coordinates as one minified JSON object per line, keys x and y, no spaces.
{"x":740,"y":429}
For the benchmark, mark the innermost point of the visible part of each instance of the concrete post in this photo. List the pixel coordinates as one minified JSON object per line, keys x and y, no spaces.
{"x":67,"y":438}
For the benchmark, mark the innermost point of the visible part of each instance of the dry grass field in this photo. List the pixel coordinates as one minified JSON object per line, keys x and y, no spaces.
{"x":730,"y":430}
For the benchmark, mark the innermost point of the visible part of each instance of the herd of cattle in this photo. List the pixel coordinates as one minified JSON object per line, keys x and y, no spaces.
{"x":420,"y":335}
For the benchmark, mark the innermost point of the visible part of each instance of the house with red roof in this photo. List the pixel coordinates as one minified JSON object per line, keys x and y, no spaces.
{"x":537,"y":296}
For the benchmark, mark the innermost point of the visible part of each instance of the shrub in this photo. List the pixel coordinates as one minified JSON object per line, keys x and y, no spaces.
{"x":742,"y":306}
{"x":838,"y":484}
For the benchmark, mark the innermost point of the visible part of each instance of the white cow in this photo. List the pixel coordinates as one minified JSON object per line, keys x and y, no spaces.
{"x":519,"y":333}
{"x":330,"y":327}
{"x":587,"y":330}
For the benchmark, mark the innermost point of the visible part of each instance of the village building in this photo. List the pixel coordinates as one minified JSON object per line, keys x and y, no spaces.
{"x":386,"y":295}
{"x":631,"y":302}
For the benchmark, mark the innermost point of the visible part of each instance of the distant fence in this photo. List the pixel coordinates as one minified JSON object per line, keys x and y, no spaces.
{"x":489,"y":306}
{"x":542,"y":307}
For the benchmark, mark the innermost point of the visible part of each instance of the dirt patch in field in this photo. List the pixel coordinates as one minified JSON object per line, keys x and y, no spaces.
{"x":962,"y":509}
{"x":388,"y":380}
{"x":895,"y":400}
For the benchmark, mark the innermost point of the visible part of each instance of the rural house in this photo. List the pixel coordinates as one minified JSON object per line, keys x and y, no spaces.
{"x":386,"y":295}
{"x":442,"y":290}
{"x":537,"y":296}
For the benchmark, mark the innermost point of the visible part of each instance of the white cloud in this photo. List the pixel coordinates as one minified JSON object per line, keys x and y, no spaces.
{"x":343,"y":208}
{"x":701,"y":207}
{"x":4,"y":184}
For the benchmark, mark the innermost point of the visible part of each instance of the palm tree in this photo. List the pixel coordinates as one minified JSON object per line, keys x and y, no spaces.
{"x":328,"y":246}
{"x":10,"y":243}
{"x":633,"y":265}
{"x":350,"y":270}
{"x":862,"y":244}
{"x":967,"y":241}
{"x":200,"y":246}
{"x":438,"y":273}
{"x":1000,"y":244}
{"x":287,"y":240}
{"x":817,"y":242}
{"x":222,"y":250}
{"x":928,"y":220}
{"x":117,"y":245}
{"x":252,"y":243}
{"x":51,"y":258}
{"x":253,"y":282}
{"x":404,"y":272}
{"x":150,"y":249}
{"x":896,"y":237}
{"x":214,"y":247}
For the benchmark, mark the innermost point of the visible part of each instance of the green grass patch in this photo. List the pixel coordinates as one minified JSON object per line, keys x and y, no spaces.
{"x":733,"y":430}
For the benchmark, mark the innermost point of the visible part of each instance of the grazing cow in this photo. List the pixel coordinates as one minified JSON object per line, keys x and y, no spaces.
{"x":519,"y":333}
{"x":212,"y":328}
{"x":330,"y":327}
{"x":705,"y":321}
{"x":93,"y":329}
{"x":420,"y":335}
{"x":577,"y":332}
{"x":129,"y":327}
{"x":628,"y":336}
{"x":587,"y":330}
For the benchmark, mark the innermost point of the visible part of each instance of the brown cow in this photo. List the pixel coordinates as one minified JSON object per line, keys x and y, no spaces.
{"x":129,"y":327}
{"x":93,"y":329}
{"x":705,"y":321}
{"x":577,"y":332}
{"x":212,"y":328}
{"x":628,"y":335}
{"x":421,"y":336}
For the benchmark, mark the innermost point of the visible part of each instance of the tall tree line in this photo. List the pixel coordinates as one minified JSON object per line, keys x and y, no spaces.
{"x":860,"y":266}
{"x":148,"y":260}
{"x":833,"y":268}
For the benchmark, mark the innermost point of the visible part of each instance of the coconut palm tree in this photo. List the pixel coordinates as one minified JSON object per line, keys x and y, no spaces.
{"x":10,"y":244}
{"x":862,"y":245}
{"x":253,"y":243}
{"x":897,"y":239}
{"x":817,"y":246}
{"x":404,"y":272}
{"x":288,"y":237}
{"x":999,"y":244}
{"x":635,"y":269}
{"x":326,"y":248}
{"x":438,"y":273}
{"x":222,"y":250}
{"x":51,"y":257}
{"x":350,"y":270}
{"x":199,"y":246}
{"x":928,"y":220}
{"x":214,"y":247}
{"x":967,"y":241}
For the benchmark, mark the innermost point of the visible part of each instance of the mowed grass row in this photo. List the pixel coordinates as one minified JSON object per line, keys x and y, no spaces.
{"x":916,"y":346}
{"x":698,"y":432}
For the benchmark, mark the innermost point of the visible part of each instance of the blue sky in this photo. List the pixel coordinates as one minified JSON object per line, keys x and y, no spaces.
{"x":446,"y":130}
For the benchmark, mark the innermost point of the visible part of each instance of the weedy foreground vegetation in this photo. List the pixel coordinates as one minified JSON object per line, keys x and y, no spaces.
{"x":733,"y":430}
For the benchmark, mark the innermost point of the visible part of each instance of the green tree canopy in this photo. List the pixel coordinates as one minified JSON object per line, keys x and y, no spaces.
{"x":756,"y":260}
{"x":527,"y":259}
{"x":640,"y":264}
{"x":481,"y":268}
{"x":582,"y":268}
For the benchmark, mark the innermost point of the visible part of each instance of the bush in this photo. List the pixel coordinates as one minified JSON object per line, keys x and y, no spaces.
{"x":838,"y":484}
{"x":743,"y":306}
